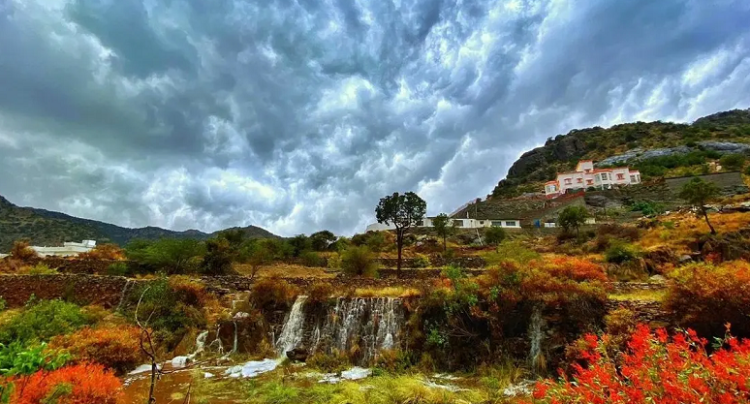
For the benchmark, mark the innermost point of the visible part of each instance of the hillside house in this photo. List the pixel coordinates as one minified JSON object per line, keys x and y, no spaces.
{"x":69,"y":249}
{"x":586,"y":176}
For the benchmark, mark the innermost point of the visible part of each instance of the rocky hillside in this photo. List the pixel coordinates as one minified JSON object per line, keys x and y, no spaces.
{"x":43,"y":227}
{"x":709,"y":134}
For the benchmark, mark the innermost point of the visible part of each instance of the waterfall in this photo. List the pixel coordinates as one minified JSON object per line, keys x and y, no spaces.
{"x":122,"y":294}
{"x":200,"y":345}
{"x":292,"y":332}
{"x":371,"y":324}
{"x":536,"y":337}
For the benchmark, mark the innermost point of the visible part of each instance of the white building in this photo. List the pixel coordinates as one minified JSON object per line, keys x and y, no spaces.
{"x":586,"y":176}
{"x":69,"y":249}
{"x":457,"y":223}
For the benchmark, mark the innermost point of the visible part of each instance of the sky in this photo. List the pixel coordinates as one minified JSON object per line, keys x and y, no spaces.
{"x":299,"y":115}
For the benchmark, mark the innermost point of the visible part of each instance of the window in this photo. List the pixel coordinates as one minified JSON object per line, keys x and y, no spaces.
{"x":420,"y":223}
{"x":497,"y":224}
{"x":568,"y":181}
{"x":580,"y":180}
{"x":620,"y":176}
{"x":458,"y":223}
{"x":604,"y":176}
{"x":590,"y":182}
{"x":510,"y":223}
{"x":632,"y":178}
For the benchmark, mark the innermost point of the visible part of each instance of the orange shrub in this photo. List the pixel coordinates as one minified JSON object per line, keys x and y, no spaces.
{"x":22,"y":251}
{"x":84,"y":383}
{"x":707,"y":296}
{"x":109,"y":252}
{"x":115,"y":348}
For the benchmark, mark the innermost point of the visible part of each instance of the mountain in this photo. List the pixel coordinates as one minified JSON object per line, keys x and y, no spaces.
{"x":562,"y":152}
{"x":44,"y":227}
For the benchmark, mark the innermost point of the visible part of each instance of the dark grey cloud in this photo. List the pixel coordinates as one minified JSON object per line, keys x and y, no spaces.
{"x":299,"y":115}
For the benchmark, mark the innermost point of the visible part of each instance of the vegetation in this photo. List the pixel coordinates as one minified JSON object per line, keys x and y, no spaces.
{"x":655,"y":368}
{"x":494,"y":235}
{"x":443,"y":228}
{"x":81,"y":383}
{"x":698,"y":193}
{"x":403,"y":212}
{"x":358,"y":261}
{"x":172,"y":256}
{"x":732,"y":162}
{"x":41,"y":321}
{"x":116,"y":348}
{"x":572,"y":218}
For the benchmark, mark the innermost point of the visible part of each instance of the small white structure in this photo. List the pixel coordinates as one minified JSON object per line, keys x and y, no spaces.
{"x":69,"y":249}
{"x":586,"y":176}
{"x":457,"y":223}
{"x":3,"y":256}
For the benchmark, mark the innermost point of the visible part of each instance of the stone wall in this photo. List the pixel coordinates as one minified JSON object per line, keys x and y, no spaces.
{"x":77,"y":288}
{"x":729,"y":183}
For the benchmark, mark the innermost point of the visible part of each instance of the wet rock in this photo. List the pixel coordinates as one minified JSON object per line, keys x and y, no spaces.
{"x":297,"y":354}
{"x":685,"y":259}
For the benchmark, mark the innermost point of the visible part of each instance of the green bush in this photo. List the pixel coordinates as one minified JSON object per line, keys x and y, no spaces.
{"x":17,"y":359}
{"x":421,"y":261}
{"x":647,"y":208}
{"x":173,"y":256}
{"x":41,"y":269}
{"x":620,"y":253}
{"x":3,"y":304}
{"x":312,"y":259}
{"x":118,"y":269}
{"x":358,"y":261}
{"x":218,"y":258}
{"x":511,"y":251}
{"x":732,"y":162}
{"x":43,"y":320}
{"x":494,"y":235}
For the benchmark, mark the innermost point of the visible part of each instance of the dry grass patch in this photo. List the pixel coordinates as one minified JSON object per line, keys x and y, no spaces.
{"x":639,"y":295}
{"x":284,"y":271}
{"x":400,"y":292}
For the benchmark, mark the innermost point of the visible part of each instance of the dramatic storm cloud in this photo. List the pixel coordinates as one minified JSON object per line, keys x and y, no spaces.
{"x":298,"y":115}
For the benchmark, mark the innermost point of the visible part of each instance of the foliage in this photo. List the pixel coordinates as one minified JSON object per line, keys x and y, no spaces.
{"x":655,"y":369}
{"x":116,"y":348}
{"x":403,"y":212}
{"x":511,"y":250}
{"x":312,"y":259}
{"x":118,"y":269}
{"x":443,"y":228}
{"x":732,"y":162}
{"x":175,"y":306}
{"x":358,"y":261}
{"x":698,"y":193}
{"x":647,"y":208}
{"x":270,"y":294}
{"x":620,"y":253}
{"x":322,"y":240}
{"x":572,"y":218}
{"x":3,"y":304}
{"x":659,"y":166}
{"x":329,"y":363}
{"x":43,"y":320}
{"x":86,"y":383}
{"x":299,"y":244}
{"x":320,"y":292}
{"x":173,"y":256}
{"x":40,"y":269}
{"x":21,"y":251}
{"x":108,"y":252}
{"x":420,"y":261}
{"x":17,"y":359}
{"x":218,"y":258}
{"x":706,"y":296}
{"x":494,"y":235}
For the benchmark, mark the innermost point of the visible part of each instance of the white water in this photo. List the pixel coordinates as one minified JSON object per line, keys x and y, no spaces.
{"x":536,"y":336}
{"x":252,"y":368}
{"x":200,"y":345}
{"x":292,"y":332}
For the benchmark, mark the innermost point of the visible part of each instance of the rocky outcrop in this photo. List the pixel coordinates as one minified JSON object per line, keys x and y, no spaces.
{"x":639,"y":154}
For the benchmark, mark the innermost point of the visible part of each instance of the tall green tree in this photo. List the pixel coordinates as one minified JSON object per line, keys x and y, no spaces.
{"x":442,"y":225}
{"x":698,"y":193}
{"x":403,"y":212}
{"x":322,"y":240}
{"x":572,"y":218}
{"x":732,"y":162}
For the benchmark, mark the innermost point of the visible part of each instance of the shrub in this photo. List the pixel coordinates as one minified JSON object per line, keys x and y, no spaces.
{"x":494,"y":235}
{"x":706,"y":296}
{"x":270,"y":294}
{"x":312,"y":259}
{"x":334,"y":261}
{"x":42,"y":321}
{"x":421,"y":261}
{"x":81,"y":383}
{"x":115,"y":348}
{"x":629,"y":233}
{"x":319,"y":292}
{"x":109,"y":252}
{"x":173,"y":256}
{"x":328,"y":363}
{"x":41,"y":269}
{"x":647,"y":208}
{"x":21,"y":251}
{"x":655,"y":369}
{"x":732,"y":162}
{"x":17,"y":359}
{"x":620,"y":253}
{"x":118,"y":269}
{"x":218,"y":258}
{"x":358,"y":261}
{"x":511,"y":251}
{"x":572,"y":218}
{"x":3,"y":304}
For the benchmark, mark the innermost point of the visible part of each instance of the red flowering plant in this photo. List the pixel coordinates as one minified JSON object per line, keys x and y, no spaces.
{"x":84,"y":383}
{"x":655,"y":368}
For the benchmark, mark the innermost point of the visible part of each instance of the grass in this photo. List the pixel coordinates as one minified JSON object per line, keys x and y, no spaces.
{"x":401,"y":292}
{"x":639,"y":295}
{"x":284,"y":271}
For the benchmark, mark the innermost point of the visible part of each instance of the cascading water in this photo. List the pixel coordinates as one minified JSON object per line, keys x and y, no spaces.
{"x":292,"y":332}
{"x":536,"y":337}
